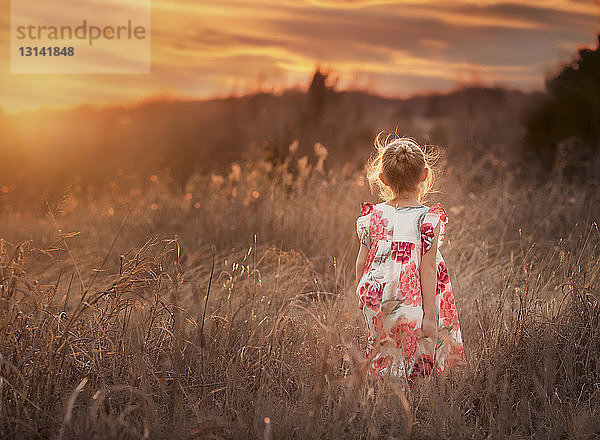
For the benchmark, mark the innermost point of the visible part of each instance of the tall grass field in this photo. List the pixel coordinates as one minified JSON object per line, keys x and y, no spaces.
{"x":224,"y":307}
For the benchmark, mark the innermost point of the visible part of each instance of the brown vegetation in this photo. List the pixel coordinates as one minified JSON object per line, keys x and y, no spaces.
{"x":224,"y":308}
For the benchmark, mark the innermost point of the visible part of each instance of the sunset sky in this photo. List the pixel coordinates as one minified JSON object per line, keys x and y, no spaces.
{"x":395,"y":48}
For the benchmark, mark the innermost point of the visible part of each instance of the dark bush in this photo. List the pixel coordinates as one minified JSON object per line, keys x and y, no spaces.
{"x":569,"y":112}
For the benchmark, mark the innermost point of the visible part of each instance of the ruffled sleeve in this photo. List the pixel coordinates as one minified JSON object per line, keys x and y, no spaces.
{"x":434,"y":216}
{"x":362,"y":224}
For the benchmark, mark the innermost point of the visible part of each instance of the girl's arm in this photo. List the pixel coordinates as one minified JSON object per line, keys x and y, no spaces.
{"x":428,"y":271}
{"x":361,"y":259}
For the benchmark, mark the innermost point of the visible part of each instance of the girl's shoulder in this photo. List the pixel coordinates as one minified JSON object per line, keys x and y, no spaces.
{"x":367,"y":208}
{"x":434,"y":216}
{"x":437,"y":210}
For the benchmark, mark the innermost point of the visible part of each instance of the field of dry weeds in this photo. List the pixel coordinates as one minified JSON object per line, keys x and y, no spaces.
{"x":226,"y":310}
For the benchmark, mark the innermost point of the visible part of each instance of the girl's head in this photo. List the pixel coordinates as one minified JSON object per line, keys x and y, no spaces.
{"x":400,"y":169}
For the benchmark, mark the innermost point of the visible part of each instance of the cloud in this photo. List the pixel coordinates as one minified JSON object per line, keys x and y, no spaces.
{"x":403,"y":47}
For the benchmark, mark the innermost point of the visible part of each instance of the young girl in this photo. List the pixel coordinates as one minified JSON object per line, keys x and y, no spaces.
{"x":403,"y":283}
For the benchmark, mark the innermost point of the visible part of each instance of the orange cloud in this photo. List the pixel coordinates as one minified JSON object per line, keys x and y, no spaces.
{"x":200,"y":49}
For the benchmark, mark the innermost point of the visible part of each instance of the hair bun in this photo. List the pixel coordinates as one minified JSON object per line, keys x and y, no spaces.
{"x":403,"y":148}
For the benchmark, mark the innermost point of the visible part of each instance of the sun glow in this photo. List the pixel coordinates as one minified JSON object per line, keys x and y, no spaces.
{"x":214,"y":48}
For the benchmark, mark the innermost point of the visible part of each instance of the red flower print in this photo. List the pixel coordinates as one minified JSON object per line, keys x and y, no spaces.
{"x":438,"y":209}
{"x":378,"y":224}
{"x":403,"y":332}
{"x":442,"y":278}
{"x":378,"y":365}
{"x":371,"y":256}
{"x":409,"y":285}
{"x":372,"y":294}
{"x":427,"y":236}
{"x":448,"y":310}
{"x":401,"y":251}
{"x":425,"y":366}
{"x":456,"y":355}
{"x":378,"y":324}
{"x":366,"y":208}
{"x":378,"y":229}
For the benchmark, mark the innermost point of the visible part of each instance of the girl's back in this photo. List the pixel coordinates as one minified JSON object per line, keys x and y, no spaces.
{"x":390,"y":289}
{"x":394,"y":239}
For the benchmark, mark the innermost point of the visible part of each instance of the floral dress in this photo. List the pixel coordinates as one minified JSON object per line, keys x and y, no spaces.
{"x":390,"y":291}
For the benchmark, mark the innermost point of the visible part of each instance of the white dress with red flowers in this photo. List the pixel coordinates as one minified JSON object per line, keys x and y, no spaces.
{"x":390,"y":291}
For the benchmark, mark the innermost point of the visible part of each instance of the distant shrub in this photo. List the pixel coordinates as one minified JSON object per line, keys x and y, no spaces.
{"x":319,"y":92}
{"x":568,"y":113}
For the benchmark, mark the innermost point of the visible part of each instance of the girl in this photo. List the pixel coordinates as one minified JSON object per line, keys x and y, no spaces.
{"x":403,"y":283}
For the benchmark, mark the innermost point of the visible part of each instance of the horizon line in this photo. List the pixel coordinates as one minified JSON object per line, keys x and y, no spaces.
{"x":162,"y":97}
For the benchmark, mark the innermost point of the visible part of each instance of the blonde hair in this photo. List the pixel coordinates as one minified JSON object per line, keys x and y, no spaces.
{"x":402,"y":162}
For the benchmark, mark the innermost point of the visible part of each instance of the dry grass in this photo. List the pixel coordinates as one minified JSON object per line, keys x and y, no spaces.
{"x":237,"y":318}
